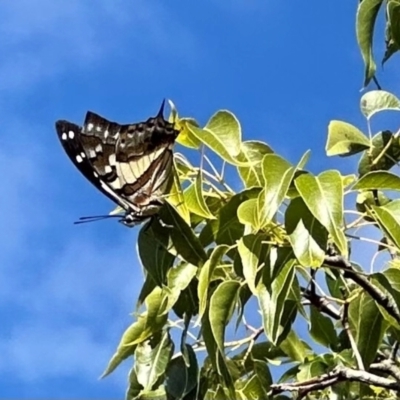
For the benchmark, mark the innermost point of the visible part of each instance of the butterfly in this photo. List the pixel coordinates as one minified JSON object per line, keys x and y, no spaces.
{"x":131,"y":164}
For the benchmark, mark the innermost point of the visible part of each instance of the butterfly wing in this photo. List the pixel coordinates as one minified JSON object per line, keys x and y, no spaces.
{"x":69,"y":135}
{"x":131,"y":164}
{"x":135,"y":160}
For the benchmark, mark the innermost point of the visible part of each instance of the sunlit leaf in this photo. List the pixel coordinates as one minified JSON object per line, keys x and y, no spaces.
{"x":295,"y":348}
{"x":221,"y":306}
{"x":366,"y":324}
{"x":272,"y":301}
{"x":307,"y":235}
{"x":152,"y":358}
{"x":366,"y":16}
{"x":345,"y":139}
{"x":146,"y":325}
{"x":253,"y":151}
{"x":249,"y":248}
{"x":381,"y":180}
{"x":378,"y":100}
{"x":388,"y":217}
{"x":206,"y":274}
{"x":323,"y":196}
{"x":176,"y":198}
{"x":223,"y":135}
{"x":385,"y":153}
{"x":194,"y":198}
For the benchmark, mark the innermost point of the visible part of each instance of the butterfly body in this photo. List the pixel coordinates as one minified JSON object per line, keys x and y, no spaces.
{"x":131,"y":164}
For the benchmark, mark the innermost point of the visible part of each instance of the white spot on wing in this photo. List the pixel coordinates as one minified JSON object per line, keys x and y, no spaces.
{"x":83,"y":155}
{"x":71,"y":134}
{"x":92,"y":153}
{"x":98,"y":148}
{"x":90,"y":127}
{"x":79,"y":158}
{"x":96,"y":175}
{"x":107,"y":169}
{"x":64,"y":136}
{"x":106,"y":133}
{"x":98,"y":128}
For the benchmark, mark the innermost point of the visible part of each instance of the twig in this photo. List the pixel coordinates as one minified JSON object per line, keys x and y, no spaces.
{"x":339,"y":374}
{"x":346,"y":326}
{"x":381,"y":298}
{"x":388,"y":366}
{"x":321,"y":303}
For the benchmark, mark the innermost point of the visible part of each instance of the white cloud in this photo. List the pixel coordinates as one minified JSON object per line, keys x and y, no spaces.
{"x":44,"y":38}
{"x":65,"y":298}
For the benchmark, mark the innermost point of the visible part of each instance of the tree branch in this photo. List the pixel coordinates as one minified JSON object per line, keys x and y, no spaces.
{"x":321,"y":303}
{"x":339,"y":374}
{"x":381,"y":298}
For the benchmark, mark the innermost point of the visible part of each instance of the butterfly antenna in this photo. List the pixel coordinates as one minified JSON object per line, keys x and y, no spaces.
{"x":84,"y":220}
{"x":161,"y":112}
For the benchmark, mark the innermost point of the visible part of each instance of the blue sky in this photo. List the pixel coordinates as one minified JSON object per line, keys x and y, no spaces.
{"x":66,"y":292}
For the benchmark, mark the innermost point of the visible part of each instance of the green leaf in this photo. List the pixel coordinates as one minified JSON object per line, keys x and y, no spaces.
{"x":295,"y":348}
{"x":365,"y":201}
{"x":178,"y":280}
{"x":272,"y":301}
{"x":384,"y":154}
{"x":381,"y":180}
{"x":278,"y":174}
{"x":323,"y":196}
{"x":309,"y":370}
{"x":345,"y":139}
{"x":222,"y":302}
{"x":206,"y":273}
{"x":147,"y":324}
{"x":249,"y":248}
{"x":194,"y":198}
{"x":186,"y":137}
{"x":378,"y":100}
{"x":182,"y":236}
{"x":152,"y":358}
{"x":227,"y":127}
{"x":247,"y":213}
{"x":366,"y":324}
{"x":176,"y":198}
{"x":322,"y":329}
{"x":393,"y":13}
{"x":388,"y":218}
{"x":154,"y":257}
{"x":217,"y":358}
{"x":253,"y":152}
{"x":253,"y":387}
{"x":182,"y":379}
{"x":227,"y":229}
{"x":366,"y":16}
{"x":306,"y":234}
{"x":134,"y":388}
{"x":389,"y":283}
{"x":222,"y":135}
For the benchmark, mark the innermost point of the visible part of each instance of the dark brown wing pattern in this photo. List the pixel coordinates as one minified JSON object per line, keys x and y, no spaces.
{"x":131,"y":164}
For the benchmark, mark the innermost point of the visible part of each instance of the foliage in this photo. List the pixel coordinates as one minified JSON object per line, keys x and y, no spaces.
{"x":367,"y":14}
{"x":281,"y":245}
{"x":277,"y":252}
